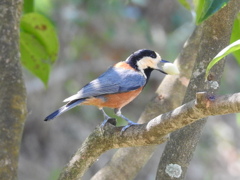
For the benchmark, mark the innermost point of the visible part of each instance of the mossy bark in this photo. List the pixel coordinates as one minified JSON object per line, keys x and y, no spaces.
{"x":215,"y":36}
{"x":12,"y":89}
{"x":212,"y":35}
{"x":166,"y":99}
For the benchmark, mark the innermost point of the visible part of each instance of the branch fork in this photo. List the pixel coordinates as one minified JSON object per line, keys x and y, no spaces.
{"x":152,"y":133}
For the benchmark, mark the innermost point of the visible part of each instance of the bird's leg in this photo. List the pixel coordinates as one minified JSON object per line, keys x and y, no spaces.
{"x":130,"y":123}
{"x":107,"y":119}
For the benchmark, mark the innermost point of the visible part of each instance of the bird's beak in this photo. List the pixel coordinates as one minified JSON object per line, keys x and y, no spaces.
{"x":168,"y":68}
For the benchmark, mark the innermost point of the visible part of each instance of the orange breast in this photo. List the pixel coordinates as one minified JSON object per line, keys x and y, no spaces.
{"x":113,"y":100}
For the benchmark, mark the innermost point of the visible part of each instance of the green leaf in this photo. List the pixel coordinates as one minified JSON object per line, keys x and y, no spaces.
{"x":185,"y":4}
{"x":34,"y":56}
{"x":44,"y":6}
{"x":227,"y":50}
{"x":205,"y":8}
{"x":43,"y":30}
{"x":236,"y":35}
{"x":38,"y":45}
{"x":28,"y":6}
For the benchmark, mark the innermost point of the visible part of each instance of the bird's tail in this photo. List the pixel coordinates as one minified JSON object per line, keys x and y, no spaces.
{"x":63,"y":109}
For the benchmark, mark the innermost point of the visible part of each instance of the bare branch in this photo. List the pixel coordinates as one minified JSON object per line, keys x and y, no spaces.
{"x":151,"y":133}
{"x":166,"y":99}
{"x":217,"y":32}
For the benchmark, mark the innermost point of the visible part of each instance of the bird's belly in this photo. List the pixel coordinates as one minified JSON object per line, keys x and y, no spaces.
{"x":117,"y":100}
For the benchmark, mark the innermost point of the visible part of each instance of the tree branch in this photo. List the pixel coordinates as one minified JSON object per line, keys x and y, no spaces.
{"x":151,"y":133}
{"x":12,"y":91}
{"x":166,"y":99}
{"x":216,"y":35}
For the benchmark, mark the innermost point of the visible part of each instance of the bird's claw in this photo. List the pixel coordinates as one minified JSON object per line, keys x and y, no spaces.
{"x":127,"y":126}
{"x":112,"y":121}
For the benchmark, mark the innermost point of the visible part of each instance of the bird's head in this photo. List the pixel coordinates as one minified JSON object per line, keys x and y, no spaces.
{"x":147,"y":60}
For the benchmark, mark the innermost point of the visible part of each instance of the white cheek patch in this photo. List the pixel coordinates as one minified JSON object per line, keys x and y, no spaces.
{"x":147,"y":62}
{"x":141,"y":65}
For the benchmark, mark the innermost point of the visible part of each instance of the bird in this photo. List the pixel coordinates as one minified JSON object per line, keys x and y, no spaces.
{"x":119,"y":85}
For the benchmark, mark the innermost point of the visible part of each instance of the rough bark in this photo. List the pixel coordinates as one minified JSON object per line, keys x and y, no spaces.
{"x":215,"y":36}
{"x":12,"y":89}
{"x":165,"y":100}
{"x":151,"y":133}
{"x":80,"y":161}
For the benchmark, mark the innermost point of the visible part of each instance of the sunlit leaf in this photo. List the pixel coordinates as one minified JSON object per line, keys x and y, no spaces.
{"x":44,"y":6}
{"x":34,"y":56}
{"x":38,"y":45}
{"x":185,"y":4}
{"x":236,"y":35}
{"x":205,"y":8}
{"x":227,"y":50}
{"x":43,"y":30}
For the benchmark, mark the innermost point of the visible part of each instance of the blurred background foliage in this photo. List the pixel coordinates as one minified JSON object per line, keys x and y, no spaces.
{"x":94,"y":35}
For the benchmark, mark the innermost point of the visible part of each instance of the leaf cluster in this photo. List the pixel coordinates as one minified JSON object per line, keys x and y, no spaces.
{"x":39,"y":44}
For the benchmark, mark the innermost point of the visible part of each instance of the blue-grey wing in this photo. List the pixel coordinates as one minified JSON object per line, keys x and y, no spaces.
{"x":114,"y":80}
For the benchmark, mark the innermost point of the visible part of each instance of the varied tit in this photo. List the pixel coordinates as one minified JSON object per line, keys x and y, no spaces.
{"x":119,"y":85}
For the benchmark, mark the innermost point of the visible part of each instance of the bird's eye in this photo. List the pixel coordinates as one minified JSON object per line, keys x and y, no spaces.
{"x":153,"y":55}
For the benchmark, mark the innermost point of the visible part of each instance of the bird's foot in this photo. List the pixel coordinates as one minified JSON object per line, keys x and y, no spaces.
{"x":130,"y":123}
{"x":112,"y":121}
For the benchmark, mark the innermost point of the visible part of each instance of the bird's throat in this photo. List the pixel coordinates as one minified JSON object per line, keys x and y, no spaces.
{"x":148,"y":72}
